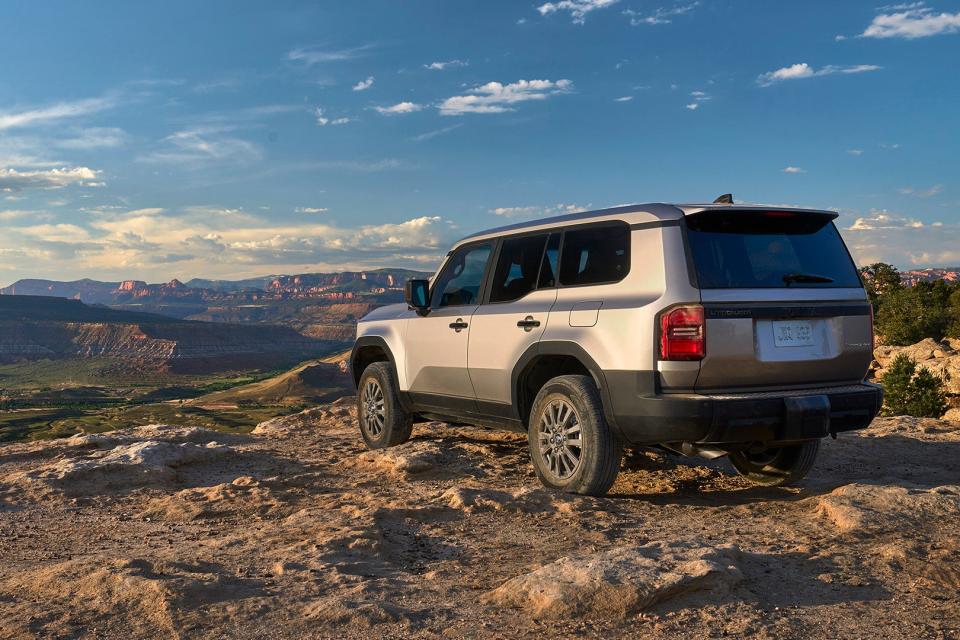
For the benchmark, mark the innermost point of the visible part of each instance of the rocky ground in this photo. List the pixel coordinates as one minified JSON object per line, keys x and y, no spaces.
{"x":296,"y":531}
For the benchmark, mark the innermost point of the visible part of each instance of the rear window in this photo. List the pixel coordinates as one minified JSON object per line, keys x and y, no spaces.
{"x":740,"y":250}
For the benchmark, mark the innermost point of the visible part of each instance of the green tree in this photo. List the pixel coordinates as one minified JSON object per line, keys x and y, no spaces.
{"x":908,"y":390}
{"x":909,"y":314}
{"x":880,"y":278}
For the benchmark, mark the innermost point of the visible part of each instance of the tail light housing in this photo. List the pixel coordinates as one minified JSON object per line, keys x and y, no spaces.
{"x":683,"y":333}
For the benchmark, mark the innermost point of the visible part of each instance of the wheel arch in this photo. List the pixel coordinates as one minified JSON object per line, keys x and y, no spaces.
{"x":548,"y":359}
{"x":367,"y":350}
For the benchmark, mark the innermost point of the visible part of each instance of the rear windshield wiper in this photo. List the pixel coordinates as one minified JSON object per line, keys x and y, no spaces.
{"x":790,"y":278}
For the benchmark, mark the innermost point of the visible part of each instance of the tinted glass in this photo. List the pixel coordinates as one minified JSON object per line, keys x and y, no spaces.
{"x":548,"y":269}
{"x":595,"y":255}
{"x":459,"y":282}
{"x":763,"y":250}
{"x":517,"y":268}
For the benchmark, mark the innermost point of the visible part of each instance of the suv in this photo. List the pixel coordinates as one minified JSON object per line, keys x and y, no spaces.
{"x":713,"y":330}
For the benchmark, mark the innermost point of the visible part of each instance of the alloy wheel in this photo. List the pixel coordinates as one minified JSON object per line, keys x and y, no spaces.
{"x":559,"y":439}
{"x":372,"y":412}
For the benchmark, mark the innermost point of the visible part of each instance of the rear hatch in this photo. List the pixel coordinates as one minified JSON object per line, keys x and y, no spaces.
{"x":784,"y":306}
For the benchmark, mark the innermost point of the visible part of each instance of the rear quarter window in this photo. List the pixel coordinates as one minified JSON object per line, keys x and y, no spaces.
{"x":752,"y":250}
{"x":595,"y":255}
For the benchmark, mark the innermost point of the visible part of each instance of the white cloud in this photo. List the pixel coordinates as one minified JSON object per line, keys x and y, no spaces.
{"x":803,"y":70}
{"x":56,"y":112}
{"x":311,"y":56}
{"x":623,"y":99}
{"x":94,"y":138}
{"x":311,"y":210}
{"x":447,"y":64}
{"x":578,"y":9}
{"x":203,"y":144}
{"x":323,"y":121}
{"x":793,"y":170}
{"x":537,"y":211}
{"x":363,"y":85}
{"x":660,"y":16}
{"x":436,"y":132}
{"x":13,"y":180}
{"x":693,"y":106}
{"x":882,"y":236}
{"x":400,"y":107}
{"x":922,"y":193}
{"x":855,"y":152}
{"x":912,"y":20}
{"x":495,"y":97}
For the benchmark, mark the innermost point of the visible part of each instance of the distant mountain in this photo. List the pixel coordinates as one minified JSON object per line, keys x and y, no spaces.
{"x":90,"y":291}
{"x":47,"y":328}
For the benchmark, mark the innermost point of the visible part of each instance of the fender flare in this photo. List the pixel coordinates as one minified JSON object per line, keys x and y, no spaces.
{"x":369,"y":341}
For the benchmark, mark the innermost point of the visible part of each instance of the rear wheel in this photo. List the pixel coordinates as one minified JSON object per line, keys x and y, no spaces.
{"x":571,"y":444}
{"x":383,"y":422}
{"x":777,"y":466}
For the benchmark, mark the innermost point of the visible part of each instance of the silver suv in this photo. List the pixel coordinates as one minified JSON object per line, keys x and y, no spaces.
{"x":713,"y":330}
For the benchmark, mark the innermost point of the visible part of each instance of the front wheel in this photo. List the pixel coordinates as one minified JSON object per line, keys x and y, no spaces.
{"x":383,"y":422}
{"x":777,"y":466}
{"x":570,"y":442}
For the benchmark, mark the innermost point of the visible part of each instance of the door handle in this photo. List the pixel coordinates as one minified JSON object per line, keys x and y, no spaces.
{"x":528,"y":323}
{"x":459,"y":325}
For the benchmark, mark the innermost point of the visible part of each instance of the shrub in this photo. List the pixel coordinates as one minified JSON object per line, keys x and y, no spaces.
{"x":910,"y":314}
{"x":911,"y":391}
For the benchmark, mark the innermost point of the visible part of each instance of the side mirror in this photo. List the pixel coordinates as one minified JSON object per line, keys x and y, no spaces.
{"x":417,"y":295}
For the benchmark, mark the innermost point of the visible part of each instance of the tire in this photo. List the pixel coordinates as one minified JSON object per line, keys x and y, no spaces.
{"x":383,"y":422}
{"x":778,"y":467}
{"x":566,"y":403}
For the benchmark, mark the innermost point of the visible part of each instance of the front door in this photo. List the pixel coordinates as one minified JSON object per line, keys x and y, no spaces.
{"x":522,"y":292}
{"x":436,"y":344}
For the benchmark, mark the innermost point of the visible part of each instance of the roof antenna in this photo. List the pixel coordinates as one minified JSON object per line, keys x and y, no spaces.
{"x":726,"y":198}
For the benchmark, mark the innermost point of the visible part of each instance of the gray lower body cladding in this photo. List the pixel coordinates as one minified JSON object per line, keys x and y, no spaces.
{"x":643,"y":416}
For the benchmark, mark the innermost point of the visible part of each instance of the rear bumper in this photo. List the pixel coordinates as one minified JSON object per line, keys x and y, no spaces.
{"x":743,"y":417}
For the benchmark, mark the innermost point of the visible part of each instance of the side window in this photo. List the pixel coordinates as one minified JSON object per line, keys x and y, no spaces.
{"x":595,"y":255}
{"x":548,"y":268}
{"x":459,"y":282}
{"x":517,"y":268}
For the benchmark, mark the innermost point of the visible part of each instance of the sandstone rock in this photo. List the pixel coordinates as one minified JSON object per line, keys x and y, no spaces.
{"x":952,"y":414}
{"x":409,"y":459}
{"x":620,"y":581}
{"x":244,"y":495}
{"x":870,"y":509}
{"x":339,"y":415}
{"x":133,"y":464}
{"x":941,"y":358}
{"x":526,"y":500}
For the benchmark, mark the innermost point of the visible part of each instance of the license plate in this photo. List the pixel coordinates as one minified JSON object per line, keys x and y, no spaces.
{"x":792,"y":333}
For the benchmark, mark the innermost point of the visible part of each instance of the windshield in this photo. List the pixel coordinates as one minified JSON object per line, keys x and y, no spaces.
{"x":748,"y":250}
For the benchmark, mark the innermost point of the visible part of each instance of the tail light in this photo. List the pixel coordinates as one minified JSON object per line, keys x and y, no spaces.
{"x":682,"y":334}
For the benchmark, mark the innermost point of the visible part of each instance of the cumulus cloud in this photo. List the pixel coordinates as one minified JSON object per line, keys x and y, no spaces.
{"x":311,"y":210}
{"x":883,"y":236}
{"x":662,"y":15}
{"x":693,"y":106}
{"x":793,"y":170}
{"x":537,"y":211}
{"x":447,"y":64}
{"x":855,"y":152}
{"x":399,"y":108}
{"x":494,"y":97}
{"x":212,"y":241}
{"x":578,"y":9}
{"x":363,"y":85}
{"x":13,"y":180}
{"x":803,"y":70}
{"x":910,"y":21}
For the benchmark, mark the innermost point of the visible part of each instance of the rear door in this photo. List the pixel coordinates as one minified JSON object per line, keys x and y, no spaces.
{"x":522,"y":292}
{"x":783,"y":302}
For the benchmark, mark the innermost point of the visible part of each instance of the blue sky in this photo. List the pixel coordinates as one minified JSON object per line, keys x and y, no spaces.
{"x":233,"y":139}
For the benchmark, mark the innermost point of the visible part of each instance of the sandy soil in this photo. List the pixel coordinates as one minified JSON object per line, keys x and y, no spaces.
{"x":296,"y":531}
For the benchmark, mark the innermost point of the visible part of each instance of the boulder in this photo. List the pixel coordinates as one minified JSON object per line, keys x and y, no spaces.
{"x":870,"y":509}
{"x":620,"y":581}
